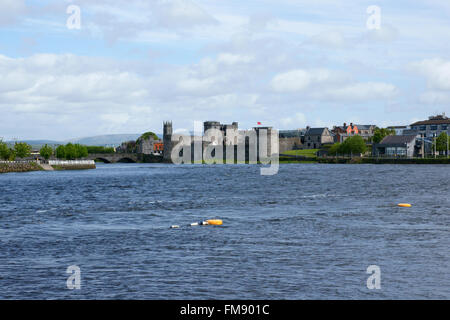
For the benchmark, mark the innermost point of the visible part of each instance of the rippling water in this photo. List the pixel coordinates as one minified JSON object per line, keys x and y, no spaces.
{"x":310,"y":231}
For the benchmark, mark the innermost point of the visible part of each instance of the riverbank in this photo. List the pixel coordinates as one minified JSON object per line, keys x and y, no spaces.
{"x":18,"y":166}
{"x":27,"y":166}
{"x":385,"y":160}
{"x":283,"y":159}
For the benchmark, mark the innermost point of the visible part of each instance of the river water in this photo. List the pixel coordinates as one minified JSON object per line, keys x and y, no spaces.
{"x":309,"y":232}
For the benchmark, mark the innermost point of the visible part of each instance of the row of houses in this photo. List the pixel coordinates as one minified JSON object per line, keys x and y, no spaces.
{"x":415,"y":139}
{"x":316,"y":138}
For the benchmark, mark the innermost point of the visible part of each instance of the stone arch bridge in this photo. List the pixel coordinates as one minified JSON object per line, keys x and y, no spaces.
{"x":114,"y":157}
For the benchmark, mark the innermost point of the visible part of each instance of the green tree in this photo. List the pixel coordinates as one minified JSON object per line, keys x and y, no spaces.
{"x":353,"y":145}
{"x":61,"y":152}
{"x":22,"y":149}
{"x":441,"y":142}
{"x":80,"y":151}
{"x":11,"y":154}
{"x":148,"y":135}
{"x":380,"y":133}
{"x":46,"y":152}
{"x":334,"y":149}
{"x":4,"y":151}
{"x":99,"y":149}
{"x":70,"y":152}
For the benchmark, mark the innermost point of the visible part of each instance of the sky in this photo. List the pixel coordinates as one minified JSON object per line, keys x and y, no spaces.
{"x":79,"y":68}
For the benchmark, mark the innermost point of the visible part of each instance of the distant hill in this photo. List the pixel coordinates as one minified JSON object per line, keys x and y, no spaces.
{"x":105,"y":140}
{"x":35,"y":144}
{"x":110,"y":140}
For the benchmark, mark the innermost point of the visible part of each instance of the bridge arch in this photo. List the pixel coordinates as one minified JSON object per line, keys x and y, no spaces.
{"x":101,"y":159}
{"x":114,"y":157}
{"x":126,"y":160}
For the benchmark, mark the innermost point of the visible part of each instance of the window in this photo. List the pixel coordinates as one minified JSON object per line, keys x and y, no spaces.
{"x":444,"y":127}
{"x":396,"y":151}
{"x":434,"y":127}
{"x":423,"y":128}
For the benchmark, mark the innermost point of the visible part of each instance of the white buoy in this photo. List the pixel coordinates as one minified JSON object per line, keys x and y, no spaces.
{"x":215,"y":222}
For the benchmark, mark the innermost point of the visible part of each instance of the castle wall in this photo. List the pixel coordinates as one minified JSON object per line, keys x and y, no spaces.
{"x":290,"y":144}
{"x":242,"y":144}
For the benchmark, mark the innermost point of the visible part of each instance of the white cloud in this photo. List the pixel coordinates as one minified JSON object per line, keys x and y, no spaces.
{"x":196,"y":85}
{"x":297,"y":120}
{"x":11,"y":11}
{"x":182,"y":13}
{"x":436,"y":72}
{"x":435,"y":97}
{"x":114,"y":96}
{"x":292,"y":81}
{"x":331,"y":39}
{"x":323,"y":84}
{"x":115,"y":118}
{"x":231,"y":59}
{"x":365,"y":91}
{"x":387,"y":33}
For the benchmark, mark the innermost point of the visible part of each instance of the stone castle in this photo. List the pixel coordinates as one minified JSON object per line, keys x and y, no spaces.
{"x":217,"y":139}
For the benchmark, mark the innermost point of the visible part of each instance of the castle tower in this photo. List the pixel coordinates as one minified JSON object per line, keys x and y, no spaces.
{"x":167,"y":139}
{"x":268,"y":138}
{"x":211,"y":125}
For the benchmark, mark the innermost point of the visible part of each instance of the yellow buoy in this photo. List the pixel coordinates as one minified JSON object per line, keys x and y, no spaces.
{"x":406,"y":205}
{"x":215,"y":222}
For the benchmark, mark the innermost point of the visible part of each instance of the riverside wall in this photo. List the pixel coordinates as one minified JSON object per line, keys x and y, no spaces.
{"x":19,"y":166}
{"x":72,"y":164}
{"x":384,"y":160}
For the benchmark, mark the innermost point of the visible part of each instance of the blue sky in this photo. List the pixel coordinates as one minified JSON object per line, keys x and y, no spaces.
{"x":286,"y":63}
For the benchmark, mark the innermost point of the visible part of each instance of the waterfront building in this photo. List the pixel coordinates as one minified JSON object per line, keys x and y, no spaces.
{"x":432,"y":127}
{"x":158,"y":148}
{"x":341,"y":133}
{"x":147,"y":144}
{"x":316,"y":137}
{"x":398,"y":129}
{"x":397,"y":146}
